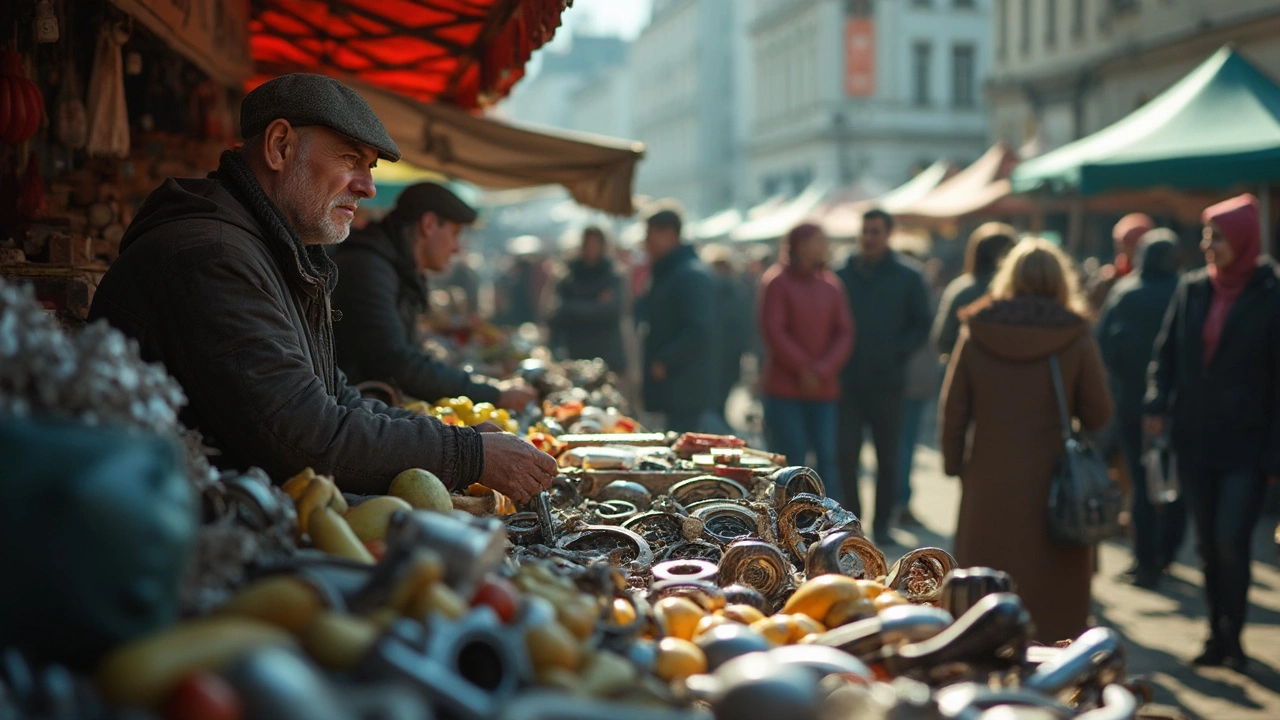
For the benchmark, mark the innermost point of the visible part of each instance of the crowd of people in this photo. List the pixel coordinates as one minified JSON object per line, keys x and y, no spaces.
{"x":233,"y":283}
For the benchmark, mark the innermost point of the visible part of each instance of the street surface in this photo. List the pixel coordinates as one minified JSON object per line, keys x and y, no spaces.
{"x":1164,"y":628}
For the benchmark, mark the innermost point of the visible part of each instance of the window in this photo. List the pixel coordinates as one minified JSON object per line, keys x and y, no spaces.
{"x":1002,"y":29}
{"x":1050,"y":23}
{"x":1024,"y":34}
{"x":921,"y":57}
{"x":1077,"y":19}
{"x":962,"y":76}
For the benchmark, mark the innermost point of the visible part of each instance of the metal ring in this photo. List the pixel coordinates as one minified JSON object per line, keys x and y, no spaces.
{"x":628,"y":547}
{"x":707,"y":487}
{"x":692,"y":550}
{"x":707,"y":595}
{"x":524,"y":528}
{"x":632,"y":492}
{"x":725,"y":521}
{"x":614,"y":512}
{"x":685,"y":570}
{"x":791,"y":481}
{"x":756,"y":564}
{"x":844,"y":553}
{"x":918,"y":575}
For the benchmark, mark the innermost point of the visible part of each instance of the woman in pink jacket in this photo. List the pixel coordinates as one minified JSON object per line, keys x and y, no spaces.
{"x":808,"y":335}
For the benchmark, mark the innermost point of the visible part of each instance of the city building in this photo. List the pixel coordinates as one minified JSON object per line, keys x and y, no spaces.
{"x":863,"y":90}
{"x":603,"y":104}
{"x":684,"y":80}
{"x":547,"y":97}
{"x":1067,"y":68}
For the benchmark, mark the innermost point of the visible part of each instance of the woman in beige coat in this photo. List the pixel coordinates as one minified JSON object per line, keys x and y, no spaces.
{"x":1001,"y":434}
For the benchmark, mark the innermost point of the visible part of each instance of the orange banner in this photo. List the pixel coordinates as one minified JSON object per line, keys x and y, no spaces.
{"x":859,"y":57}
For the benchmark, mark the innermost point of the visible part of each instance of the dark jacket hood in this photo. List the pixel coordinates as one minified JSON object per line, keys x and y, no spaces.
{"x":232,"y":195}
{"x":1158,"y":259}
{"x":1023,"y":329}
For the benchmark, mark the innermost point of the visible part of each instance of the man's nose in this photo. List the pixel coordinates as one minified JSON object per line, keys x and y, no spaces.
{"x":363,"y":185}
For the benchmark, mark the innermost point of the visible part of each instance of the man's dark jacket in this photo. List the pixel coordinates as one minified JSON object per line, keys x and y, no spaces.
{"x":683,"y":334}
{"x":1130,"y":323}
{"x":1226,"y":417}
{"x":960,"y":293}
{"x":380,"y":296}
{"x":586,"y":318}
{"x":214,"y":283}
{"x":890,"y":307}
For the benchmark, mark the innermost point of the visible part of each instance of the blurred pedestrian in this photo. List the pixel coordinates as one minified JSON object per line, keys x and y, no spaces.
{"x":681,"y":346}
{"x":518,"y":293}
{"x":1000,"y":431}
{"x":1126,"y":235}
{"x":1127,"y":330}
{"x":587,"y":308}
{"x":1215,"y":382}
{"x":922,"y":379}
{"x":733,"y":306}
{"x":808,"y":335}
{"x":988,"y":244}
{"x":890,"y":309}
{"x":382,"y":292}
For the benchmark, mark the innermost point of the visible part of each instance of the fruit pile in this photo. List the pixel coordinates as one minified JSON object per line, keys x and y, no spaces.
{"x":462,"y":412}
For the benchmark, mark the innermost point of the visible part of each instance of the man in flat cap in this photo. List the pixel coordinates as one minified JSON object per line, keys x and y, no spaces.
{"x":382,"y":291}
{"x":225,"y":280}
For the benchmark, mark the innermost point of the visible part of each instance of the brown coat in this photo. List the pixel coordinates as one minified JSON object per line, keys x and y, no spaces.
{"x":1000,"y":433}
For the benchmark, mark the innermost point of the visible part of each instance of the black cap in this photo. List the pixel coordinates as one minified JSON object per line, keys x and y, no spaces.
{"x":428,"y":197}
{"x":306,"y":99}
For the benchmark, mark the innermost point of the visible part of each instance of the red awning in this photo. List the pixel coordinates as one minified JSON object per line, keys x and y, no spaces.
{"x":467,"y":53}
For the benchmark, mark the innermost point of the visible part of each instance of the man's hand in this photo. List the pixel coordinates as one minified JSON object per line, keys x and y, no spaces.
{"x":658,"y":372}
{"x":515,"y":468}
{"x":1153,"y":425}
{"x":517,"y":398}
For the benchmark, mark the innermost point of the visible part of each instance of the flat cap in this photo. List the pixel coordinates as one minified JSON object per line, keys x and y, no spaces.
{"x":306,"y":99}
{"x":428,"y":197}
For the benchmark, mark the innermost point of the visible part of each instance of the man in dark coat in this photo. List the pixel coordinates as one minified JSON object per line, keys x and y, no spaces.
{"x":225,"y":281}
{"x":586,"y":315}
{"x":890,"y":307}
{"x":1126,"y":332}
{"x":681,"y":346}
{"x":382,"y":292}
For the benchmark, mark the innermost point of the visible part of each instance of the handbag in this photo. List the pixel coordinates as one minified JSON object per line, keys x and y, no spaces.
{"x":1084,"y":504}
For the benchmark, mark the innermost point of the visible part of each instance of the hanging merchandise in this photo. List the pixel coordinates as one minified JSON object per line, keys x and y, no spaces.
{"x":108,"y":115}
{"x":72,"y":123}
{"x":21,"y":104}
{"x":45,"y":25}
{"x":31,"y":201}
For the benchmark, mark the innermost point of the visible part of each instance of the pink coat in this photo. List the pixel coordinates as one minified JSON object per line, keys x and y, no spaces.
{"x":806,"y":325}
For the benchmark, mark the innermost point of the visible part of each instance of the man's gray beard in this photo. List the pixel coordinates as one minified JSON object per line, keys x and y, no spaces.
{"x":296,"y":201}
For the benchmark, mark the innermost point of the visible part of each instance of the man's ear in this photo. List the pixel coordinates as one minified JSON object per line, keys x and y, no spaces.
{"x":428,"y":223}
{"x":279,"y":144}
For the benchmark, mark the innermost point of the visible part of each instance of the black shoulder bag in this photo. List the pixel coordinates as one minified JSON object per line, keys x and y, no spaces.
{"x":1084,"y":505}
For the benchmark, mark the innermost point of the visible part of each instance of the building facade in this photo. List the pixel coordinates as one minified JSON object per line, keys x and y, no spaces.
{"x":1067,"y":68}
{"x":847,"y":90}
{"x":683,"y":76}
{"x":603,"y":105}
{"x":547,"y":97}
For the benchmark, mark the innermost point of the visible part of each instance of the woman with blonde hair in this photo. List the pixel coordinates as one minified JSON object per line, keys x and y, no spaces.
{"x":1000,"y":431}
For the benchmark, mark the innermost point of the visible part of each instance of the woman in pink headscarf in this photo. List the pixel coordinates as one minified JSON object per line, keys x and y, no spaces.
{"x":1216,"y":377}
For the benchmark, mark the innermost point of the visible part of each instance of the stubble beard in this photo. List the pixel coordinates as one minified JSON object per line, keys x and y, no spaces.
{"x":303,"y":203}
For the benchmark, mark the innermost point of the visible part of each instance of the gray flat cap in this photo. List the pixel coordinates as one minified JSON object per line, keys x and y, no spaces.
{"x":306,"y":99}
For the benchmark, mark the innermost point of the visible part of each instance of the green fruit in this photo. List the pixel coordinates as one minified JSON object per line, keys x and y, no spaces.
{"x":423,"y":490}
{"x":369,"y":519}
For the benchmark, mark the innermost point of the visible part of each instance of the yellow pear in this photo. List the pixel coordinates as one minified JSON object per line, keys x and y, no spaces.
{"x":369,"y":519}
{"x":422,"y":490}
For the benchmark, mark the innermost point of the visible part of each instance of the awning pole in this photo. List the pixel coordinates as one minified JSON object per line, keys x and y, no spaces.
{"x":1264,"y":217}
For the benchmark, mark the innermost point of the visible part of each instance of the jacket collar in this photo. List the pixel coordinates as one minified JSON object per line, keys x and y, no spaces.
{"x":309,"y":267}
{"x":681,"y":255}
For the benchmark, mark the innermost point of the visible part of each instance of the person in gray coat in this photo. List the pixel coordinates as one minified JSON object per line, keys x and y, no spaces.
{"x":1126,"y":331}
{"x":988,"y":244}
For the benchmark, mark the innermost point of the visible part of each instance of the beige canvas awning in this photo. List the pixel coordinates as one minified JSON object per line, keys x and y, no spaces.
{"x":597,"y":171}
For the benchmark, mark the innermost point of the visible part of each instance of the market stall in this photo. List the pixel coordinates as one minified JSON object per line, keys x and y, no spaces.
{"x":1212,"y":133}
{"x":844,"y":220}
{"x":659,"y":577}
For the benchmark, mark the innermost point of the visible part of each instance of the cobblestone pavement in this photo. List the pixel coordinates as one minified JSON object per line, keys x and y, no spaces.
{"x":1164,"y":628}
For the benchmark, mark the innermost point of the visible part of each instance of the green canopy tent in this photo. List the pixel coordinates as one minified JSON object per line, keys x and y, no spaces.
{"x":1217,"y":128}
